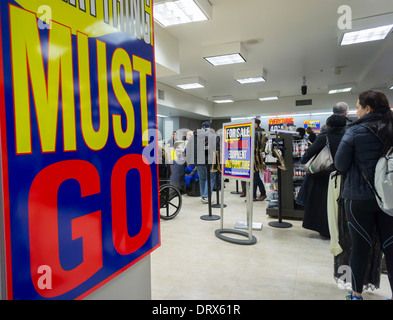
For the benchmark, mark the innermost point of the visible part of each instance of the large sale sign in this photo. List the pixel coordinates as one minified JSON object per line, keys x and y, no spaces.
{"x":238,"y":152}
{"x":278,"y":123}
{"x":77,"y":92}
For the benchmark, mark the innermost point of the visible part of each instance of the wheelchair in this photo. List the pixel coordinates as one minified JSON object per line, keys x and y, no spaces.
{"x":170,"y":196}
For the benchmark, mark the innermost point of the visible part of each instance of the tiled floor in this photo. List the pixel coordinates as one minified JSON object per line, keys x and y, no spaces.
{"x":287,"y":264}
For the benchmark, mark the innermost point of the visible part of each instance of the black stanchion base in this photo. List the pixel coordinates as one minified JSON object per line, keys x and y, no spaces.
{"x":236,"y":192}
{"x":220,"y":234}
{"x":218,"y":205}
{"x":278,"y":224}
{"x":210,"y":217}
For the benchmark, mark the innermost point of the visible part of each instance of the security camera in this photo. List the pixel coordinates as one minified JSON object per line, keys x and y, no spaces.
{"x":304,"y":86}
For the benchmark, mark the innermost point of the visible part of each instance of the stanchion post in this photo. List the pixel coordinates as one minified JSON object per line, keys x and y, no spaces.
{"x":218,"y":205}
{"x":237,"y":188}
{"x":210,"y":216}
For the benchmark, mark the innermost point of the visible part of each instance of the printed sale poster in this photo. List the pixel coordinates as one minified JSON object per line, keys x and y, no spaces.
{"x":237,"y":150}
{"x":278,"y":124}
{"x":315,"y":125}
{"x":80,"y":200}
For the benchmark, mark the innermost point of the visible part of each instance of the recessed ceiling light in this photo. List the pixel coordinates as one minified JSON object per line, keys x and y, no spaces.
{"x":250,"y":76}
{"x":321,"y":113}
{"x":341,"y":88}
{"x":171,"y":13}
{"x":366,"y":35}
{"x":189,"y":86}
{"x":250,"y":80}
{"x":241,"y":119}
{"x":226,"y":59}
{"x":224,"y":99}
{"x":269,"y":96}
{"x":224,"y":54}
{"x":191,"y":83}
{"x":334,"y":91}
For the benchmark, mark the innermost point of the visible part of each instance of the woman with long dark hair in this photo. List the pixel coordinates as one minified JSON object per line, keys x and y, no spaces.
{"x":366,"y":140}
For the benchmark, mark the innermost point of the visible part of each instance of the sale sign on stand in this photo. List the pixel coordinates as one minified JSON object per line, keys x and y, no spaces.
{"x":77,"y":92}
{"x":238,"y":150}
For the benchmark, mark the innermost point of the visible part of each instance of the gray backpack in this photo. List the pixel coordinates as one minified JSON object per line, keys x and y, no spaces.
{"x":384,"y":182}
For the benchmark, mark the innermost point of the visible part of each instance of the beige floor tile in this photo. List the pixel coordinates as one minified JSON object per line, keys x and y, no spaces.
{"x":286,"y":264}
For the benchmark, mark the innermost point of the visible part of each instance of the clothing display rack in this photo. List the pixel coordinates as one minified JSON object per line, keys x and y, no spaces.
{"x":287,"y":207}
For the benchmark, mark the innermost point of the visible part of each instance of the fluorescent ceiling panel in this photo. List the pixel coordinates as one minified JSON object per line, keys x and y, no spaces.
{"x":250,"y":80}
{"x":241,"y":119}
{"x":269,"y":96}
{"x":181,"y":11}
{"x":191,"y":83}
{"x":341,"y":88}
{"x":224,"y":99}
{"x":321,"y":113}
{"x":224,"y":54}
{"x":226,"y":59}
{"x":334,"y":91}
{"x":250,"y":76}
{"x":366,"y":35}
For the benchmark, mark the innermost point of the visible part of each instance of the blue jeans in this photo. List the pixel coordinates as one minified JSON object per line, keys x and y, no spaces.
{"x":203,"y":186}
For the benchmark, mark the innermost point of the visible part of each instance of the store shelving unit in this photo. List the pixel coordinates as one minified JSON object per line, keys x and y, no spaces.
{"x":289,"y":181}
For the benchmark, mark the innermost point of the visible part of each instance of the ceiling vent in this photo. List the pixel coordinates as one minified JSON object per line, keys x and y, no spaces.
{"x":307,"y":102}
{"x":161,"y":94}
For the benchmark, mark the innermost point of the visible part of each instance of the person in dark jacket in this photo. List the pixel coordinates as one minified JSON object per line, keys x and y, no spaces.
{"x":258,"y":183}
{"x":311,"y":135}
{"x":200,"y":152}
{"x":366,"y":140}
{"x":315,"y":213}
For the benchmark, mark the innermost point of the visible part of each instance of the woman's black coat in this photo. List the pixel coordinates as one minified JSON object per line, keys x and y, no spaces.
{"x":315,"y":213}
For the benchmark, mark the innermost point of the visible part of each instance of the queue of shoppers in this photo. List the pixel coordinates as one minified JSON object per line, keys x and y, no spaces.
{"x":356,"y":148}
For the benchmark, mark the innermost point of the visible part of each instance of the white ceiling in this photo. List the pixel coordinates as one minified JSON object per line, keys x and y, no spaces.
{"x":289,"y":39}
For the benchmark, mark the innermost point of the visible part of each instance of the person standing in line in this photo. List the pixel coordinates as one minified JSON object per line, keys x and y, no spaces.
{"x":311,"y":135}
{"x":173,"y":139}
{"x":200,"y":152}
{"x":258,"y":183}
{"x":366,"y":140}
{"x":340,"y":109}
{"x":316,"y":188}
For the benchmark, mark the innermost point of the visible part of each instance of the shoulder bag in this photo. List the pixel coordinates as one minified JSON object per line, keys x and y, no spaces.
{"x":321,"y":162}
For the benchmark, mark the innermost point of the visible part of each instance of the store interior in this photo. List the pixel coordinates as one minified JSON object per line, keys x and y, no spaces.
{"x":294,"y":52}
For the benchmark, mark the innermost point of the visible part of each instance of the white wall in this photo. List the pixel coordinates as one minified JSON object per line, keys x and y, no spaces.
{"x":132,"y":284}
{"x":178,"y":100}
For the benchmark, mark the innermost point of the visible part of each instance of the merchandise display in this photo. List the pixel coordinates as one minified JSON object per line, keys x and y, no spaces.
{"x":291,"y":178}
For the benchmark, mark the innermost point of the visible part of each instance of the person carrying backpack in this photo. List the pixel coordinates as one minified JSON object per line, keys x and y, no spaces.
{"x":364,"y":143}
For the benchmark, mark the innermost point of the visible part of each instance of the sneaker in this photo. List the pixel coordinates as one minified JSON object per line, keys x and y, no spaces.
{"x":353,"y":297}
{"x":204,"y":200}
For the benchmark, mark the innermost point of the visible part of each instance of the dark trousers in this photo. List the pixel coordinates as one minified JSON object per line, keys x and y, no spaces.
{"x":363,"y":217}
{"x":258,"y":183}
